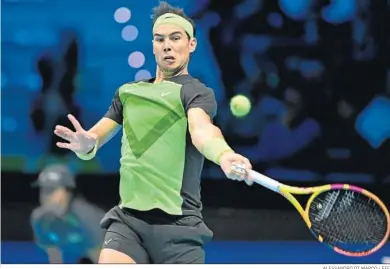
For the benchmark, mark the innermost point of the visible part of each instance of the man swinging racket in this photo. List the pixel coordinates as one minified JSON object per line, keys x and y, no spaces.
{"x":167,"y":132}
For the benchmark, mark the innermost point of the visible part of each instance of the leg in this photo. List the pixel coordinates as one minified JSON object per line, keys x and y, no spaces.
{"x":180,"y":242}
{"x":122,"y":245}
{"x":185,"y":253}
{"x":113,"y":256}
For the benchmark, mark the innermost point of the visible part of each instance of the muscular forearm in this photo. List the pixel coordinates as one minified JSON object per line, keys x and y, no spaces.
{"x":208,"y":139}
{"x":105,"y":129}
{"x":203,"y":134}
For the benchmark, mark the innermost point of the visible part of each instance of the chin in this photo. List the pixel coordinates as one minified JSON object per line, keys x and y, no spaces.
{"x":171,"y":70}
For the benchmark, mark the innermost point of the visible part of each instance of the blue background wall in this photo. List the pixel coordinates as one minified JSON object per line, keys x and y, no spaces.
{"x":224,"y":252}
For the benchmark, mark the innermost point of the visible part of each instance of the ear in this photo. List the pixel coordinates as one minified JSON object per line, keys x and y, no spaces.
{"x":153,"y":47}
{"x":192,"y":44}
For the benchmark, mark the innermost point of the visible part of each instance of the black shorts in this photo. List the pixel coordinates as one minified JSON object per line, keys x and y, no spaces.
{"x":156,"y":237}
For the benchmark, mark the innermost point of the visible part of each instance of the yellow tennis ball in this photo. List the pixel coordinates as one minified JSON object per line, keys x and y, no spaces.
{"x":240,"y":105}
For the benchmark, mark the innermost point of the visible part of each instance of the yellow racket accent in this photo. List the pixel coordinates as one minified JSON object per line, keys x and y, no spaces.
{"x":287,"y":192}
{"x":350,"y":220}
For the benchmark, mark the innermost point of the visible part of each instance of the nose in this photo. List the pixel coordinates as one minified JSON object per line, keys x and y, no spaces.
{"x":167,"y":46}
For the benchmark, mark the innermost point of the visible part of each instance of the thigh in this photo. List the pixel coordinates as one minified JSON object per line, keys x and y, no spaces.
{"x":122,"y":245}
{"x":181,"y":242}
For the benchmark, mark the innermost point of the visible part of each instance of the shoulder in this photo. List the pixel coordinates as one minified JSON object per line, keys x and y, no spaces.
{"x":196,"y":94}
{"x":133,"y":83}
{"x":200,"y":87}
{"x":80,"y":202}
{"x":39,"y":214}
{"x":191,"y":83}
{"x":36,"y":214}
{"x":192,"y":87}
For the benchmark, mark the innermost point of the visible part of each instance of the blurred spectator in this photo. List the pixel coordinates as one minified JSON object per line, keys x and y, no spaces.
{"x":55,"y":100}
{"x":65,"y":223}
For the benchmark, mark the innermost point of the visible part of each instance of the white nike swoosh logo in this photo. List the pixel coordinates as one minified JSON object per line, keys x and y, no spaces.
{"x":165,"y":93}
{"x":107,"y":241}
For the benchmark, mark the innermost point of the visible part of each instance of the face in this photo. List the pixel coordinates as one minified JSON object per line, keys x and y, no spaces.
{"x":172,"y":48}
{"x":53,"y":196}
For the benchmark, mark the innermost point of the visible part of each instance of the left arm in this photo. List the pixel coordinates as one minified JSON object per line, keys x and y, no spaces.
{"x":201,"y":108}
{"x":203,"y":132}
{"x":208,"y":139}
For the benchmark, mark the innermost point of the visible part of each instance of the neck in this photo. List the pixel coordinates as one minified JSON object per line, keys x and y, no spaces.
{"x":161,"y":75}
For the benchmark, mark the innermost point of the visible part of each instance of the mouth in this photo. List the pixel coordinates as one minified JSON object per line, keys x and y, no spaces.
{"x":169,"y":59}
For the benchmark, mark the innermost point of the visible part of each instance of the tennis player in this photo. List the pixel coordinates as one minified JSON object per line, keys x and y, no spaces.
{"x":167,"y":132}
{"x":65,"y":225}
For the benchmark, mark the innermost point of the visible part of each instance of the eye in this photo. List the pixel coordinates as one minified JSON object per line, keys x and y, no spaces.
{"x":159,"y":39}
{"x":176,"y":38}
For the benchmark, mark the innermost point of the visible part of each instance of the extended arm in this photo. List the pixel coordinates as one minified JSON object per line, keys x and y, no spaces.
{"x":86,"y":143}
{"x":205,"y":136}
{"x":201,"y":107}
{"x":111,"y":123}
{"x":208,"y":139}
{"x":105,"y":129}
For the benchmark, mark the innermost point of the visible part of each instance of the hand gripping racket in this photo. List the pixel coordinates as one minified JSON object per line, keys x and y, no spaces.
{"x":350,"y":220}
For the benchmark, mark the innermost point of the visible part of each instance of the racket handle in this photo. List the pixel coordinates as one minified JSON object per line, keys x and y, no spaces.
{"x":265,"y":181}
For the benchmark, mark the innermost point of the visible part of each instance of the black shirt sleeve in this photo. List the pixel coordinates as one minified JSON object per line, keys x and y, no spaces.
{"x":196,"y":94}
{"x":115,"y":111}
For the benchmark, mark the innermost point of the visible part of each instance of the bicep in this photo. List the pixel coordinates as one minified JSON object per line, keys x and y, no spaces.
{"x":201,"y":108}
{"x":201,"y":127}
{"x":196,"y":95}
{"x":197,"y":119}
{"x":115,"y":111}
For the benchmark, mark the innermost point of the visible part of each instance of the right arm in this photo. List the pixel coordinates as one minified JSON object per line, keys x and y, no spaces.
{"x":105,"y":129}
{"x":110,"y":124}
{"x":86,"y":143}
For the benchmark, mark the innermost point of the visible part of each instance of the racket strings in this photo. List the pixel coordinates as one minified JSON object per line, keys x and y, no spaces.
{"x":348,"y":220}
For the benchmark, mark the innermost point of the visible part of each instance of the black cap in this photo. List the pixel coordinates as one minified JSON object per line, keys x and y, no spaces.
{"x":55,"y":175}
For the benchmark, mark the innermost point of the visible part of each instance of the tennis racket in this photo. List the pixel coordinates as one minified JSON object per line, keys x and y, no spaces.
{"x":350,"y":220}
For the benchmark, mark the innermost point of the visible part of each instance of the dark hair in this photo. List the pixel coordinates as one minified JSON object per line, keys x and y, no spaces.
{"x":164,"y":8}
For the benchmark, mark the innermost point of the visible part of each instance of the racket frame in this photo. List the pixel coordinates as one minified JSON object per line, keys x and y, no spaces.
{"x":288,"y":191}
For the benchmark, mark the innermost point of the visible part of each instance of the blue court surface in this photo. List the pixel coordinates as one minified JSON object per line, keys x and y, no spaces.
{"x":223,"y":252}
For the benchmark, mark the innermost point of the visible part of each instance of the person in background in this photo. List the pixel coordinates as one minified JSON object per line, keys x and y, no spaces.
{"x":65,"y":224}
{"x":58,"y":72}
